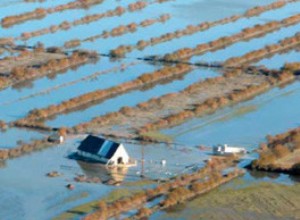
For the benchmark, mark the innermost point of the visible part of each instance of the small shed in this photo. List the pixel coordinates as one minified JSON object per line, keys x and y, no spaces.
{"x":56,"y":138}
{"x":105,"y":151}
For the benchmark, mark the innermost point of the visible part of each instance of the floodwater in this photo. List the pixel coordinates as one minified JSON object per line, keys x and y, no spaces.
{"x":278,"y":60}
{"x":242,"y":48}
{"x":33,"y":195}
{"x":10,"y":137}
{"x":214,"y":32}
{"x":245,"y":124}
{"x":19,"y":103}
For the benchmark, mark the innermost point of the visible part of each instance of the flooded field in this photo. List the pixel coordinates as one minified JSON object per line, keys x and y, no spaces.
{"x":43,"y":93}
{"x":278,"y":61}
{"x":239,"y":49}
{"x":237,"y":125}
{"x":107,"y":71}
{"x":26,"y":189}
{"x":11,"y":137}
{"x":131,"y":99}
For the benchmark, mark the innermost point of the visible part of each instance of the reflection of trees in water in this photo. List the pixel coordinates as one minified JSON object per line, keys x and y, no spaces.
{"x":263,"y":174}
{"x":92,"y":170}
{"x":27,"y":84}
{"x":295,"y":178}
{"x":272,"y":175}
{"x":2,"y":163}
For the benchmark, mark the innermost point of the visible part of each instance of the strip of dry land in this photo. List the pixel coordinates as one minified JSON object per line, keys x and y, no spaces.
{"x":281,"y":153}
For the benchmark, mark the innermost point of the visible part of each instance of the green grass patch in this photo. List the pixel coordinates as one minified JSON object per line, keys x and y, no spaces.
{"x":261,"y":200}
{"x":156,"y":135}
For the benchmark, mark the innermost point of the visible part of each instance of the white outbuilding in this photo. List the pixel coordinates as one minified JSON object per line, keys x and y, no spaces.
{"x":105,"y":151}
{"x":225,"y":149}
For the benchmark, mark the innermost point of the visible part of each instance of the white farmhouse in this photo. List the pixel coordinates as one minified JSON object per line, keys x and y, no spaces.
{"x":105,"y":151}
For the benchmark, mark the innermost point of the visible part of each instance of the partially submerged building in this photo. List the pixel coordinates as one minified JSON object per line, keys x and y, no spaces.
{"x":105,"y":151}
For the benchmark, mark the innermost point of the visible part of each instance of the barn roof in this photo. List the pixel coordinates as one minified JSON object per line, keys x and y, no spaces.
{"x":99,"y":146}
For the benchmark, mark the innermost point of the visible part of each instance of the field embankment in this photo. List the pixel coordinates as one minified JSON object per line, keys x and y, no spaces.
{"x":281,"y":153}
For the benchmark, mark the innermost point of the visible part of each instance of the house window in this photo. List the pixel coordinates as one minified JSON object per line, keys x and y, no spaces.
{"x":120,"y":160}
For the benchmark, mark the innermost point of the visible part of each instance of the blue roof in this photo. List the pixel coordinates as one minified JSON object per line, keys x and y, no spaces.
{"x":99,"y":146}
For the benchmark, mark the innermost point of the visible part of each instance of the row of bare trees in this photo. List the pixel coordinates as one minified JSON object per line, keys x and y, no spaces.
{"x":39,"y":13}
{"x":52,"y":66}
{"x":191,"y":29}
{"x":269,"y":50}
{"x":99,"y":95}
{"x":65,"y":25}
{"x":24,"y":148}
{"x":22,"y":73}
{"x":23,"y":54}
{"x":119,"y":30}
{"x":222,"y":42}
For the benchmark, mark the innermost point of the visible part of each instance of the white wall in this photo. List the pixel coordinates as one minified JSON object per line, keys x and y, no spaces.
{"x":121,"y":152}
